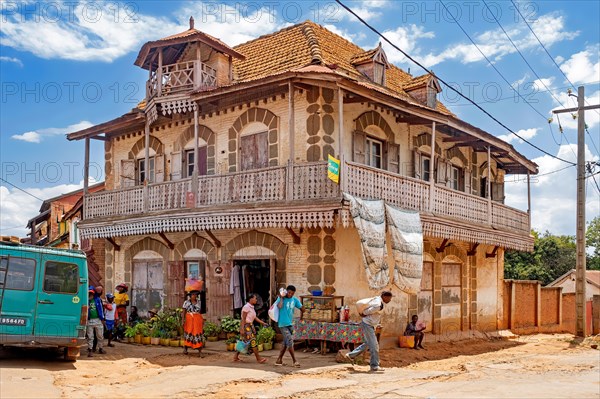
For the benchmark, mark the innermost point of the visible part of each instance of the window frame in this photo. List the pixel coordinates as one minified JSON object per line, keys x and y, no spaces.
{"x":8,"y":258}
{"x":60,"y":292}
{"x":426,"y":167}
{"x":369,"y":142}
{"x":141,"y":169}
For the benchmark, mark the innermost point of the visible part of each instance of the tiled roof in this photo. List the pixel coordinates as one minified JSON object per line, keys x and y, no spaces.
{"x":416,"y":82}
{"x":364,"y":56}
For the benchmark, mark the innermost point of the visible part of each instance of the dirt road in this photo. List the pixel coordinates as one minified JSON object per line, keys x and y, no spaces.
{"x":538,"y":366}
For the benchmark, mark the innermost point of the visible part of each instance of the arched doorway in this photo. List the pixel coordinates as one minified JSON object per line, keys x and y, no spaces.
{"x":147,"y":289}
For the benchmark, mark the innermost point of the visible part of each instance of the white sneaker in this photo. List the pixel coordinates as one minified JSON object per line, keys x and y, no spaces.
{"x":347,"y":356}
{"x":377,"y":369}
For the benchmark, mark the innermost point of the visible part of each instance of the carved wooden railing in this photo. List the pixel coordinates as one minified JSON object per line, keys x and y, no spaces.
{"x":304,"y":182}
{"x":128,"y":201}
{"x":370,"y":183}
{"x":180,"y":77}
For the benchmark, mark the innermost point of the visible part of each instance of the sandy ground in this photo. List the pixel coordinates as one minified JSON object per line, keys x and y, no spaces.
{"x":540,"y":366}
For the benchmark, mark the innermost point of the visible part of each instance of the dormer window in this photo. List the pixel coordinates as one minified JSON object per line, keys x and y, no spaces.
{"x":379,"y":73}
{"x":424,"y":89}
{"x":372,"y":64}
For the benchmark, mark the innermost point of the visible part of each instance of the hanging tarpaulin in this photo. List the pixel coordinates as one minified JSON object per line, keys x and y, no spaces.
{"x":333,"y":169}
{"x":369,"y":220}
{"x":407,"y":247}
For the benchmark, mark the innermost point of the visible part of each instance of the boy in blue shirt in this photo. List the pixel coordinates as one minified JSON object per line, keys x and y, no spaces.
{"x":286,"y":303}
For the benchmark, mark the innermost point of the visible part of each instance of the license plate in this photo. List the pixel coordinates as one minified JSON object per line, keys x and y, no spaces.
{"x":12,"y":321}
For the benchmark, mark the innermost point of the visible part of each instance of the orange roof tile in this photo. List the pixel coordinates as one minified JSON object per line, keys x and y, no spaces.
{"x":364,"y":56}
{"x":417,"y":82}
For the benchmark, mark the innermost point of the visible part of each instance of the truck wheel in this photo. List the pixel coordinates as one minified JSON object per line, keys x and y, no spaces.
{"x":71,"y":354}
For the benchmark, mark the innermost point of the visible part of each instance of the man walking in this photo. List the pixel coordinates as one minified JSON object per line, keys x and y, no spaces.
{"x":371,"y":318}
{"x":286,"y":304}
{"x":95,"y":322}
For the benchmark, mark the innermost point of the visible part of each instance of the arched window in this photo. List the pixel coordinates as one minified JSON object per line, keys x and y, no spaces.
{"x":254,"y":143}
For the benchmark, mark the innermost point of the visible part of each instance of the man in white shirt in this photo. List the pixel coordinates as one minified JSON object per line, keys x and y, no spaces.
{"x":371,"y":318}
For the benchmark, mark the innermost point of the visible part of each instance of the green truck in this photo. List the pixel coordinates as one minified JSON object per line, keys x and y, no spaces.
{"x":43,"y":297}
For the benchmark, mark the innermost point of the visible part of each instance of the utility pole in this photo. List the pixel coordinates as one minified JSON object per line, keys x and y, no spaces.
{"x":580,"y":265}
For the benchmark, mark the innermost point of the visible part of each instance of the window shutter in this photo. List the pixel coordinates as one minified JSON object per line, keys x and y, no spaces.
{"x":417,"y":164}
{"x":498,"y":192}
{"x":442,"y":171}
{"x":176,"y":162}
{"x":358,"y":147}
{"x":127,"y":173}
{"x":467,"y":181}
{"x":176,"y":277}
{"x":393,"y":157}
{"x":159,"y":168}
{"x":475,"y":180}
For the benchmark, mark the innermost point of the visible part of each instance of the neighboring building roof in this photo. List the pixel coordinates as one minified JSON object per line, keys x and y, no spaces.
{"x":592,"y":277}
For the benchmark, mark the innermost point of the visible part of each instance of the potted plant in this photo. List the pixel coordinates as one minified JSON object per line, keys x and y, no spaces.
{"x":144,"y":329}
{"x":231,"y":341}
{"x":212,"y":330}
{"x":130,"y":332}
{"x":165,"y":337}
{"x":155,"y":336}
{"x":265,"y":337}
{"x":230,"y":326}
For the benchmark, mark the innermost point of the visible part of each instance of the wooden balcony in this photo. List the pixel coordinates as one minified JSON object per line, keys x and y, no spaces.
{"x":181,"y":77}
{"x":299,"y":184}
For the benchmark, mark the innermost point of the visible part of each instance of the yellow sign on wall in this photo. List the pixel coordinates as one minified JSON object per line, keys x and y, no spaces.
{"x":333,"y":169}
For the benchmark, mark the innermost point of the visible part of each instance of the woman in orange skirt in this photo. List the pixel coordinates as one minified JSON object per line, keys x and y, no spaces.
{"x":193,"y":324}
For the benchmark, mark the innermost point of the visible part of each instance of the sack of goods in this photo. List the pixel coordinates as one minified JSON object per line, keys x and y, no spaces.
{"x":242,"y":347}
{"x":274,"y":312}
{"x":193,"y":284}
{"x":363,"y":304}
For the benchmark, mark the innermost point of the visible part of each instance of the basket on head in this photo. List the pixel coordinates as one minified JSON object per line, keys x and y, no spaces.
{"x":193,"y":284}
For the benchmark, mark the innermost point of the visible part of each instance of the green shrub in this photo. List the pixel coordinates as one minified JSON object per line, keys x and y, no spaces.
{"x":211,"y":329}
{"x":230,"y":325}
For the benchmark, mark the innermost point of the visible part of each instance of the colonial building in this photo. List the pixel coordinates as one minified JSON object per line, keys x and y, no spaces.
{"x":223,"y":169}
{"x":57,"y":226}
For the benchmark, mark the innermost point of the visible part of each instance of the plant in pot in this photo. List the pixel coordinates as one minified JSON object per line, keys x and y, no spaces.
{"x":144,"y":330}
{"x":265,"y":337}
{"x":230,"y":326}
{"x":155,"y":336}
{"x":231,"y":341}
{"x":130,"y":332}
{"x":211,"y":331}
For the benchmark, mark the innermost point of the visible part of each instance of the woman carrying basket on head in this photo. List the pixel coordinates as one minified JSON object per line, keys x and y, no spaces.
{"x":247,"y":331}
{"x":193,"y":323}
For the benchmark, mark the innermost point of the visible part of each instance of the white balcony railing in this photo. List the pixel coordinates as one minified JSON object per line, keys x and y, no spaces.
{"x":304,"y":182}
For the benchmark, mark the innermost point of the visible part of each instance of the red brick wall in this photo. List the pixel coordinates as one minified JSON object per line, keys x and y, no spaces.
{"x":550,"y":306}
{"x":525,"y":305}
{"x":568,"y":313}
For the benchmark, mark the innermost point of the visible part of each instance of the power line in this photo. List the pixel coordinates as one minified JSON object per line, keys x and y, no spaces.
{"x":446,"y":84}
{"x":20,"y":189}
{"x":544,"y":47}
{"x":521,"y":54}
{"x":543,"y":174}
{"x":592,"y":140}
{"x":596,"y":183}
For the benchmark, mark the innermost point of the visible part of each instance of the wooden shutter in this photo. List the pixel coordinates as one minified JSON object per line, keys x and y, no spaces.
{"x":417,"y":165}
{"x":218,"y":300}
{"x":202,"y":161}
{"x":176,"y":165}
{"x":441,"y":171}
{"x":127,"y":173}
{"x":475,"y":180}
{"x":467,"y":181}
{"x":159,"y":168}
{"x":359,"y":142}
{"x":498,"y":192}
{"x":255,"y":151}
{"x":393,"y":157}
{"x":176,"y":277}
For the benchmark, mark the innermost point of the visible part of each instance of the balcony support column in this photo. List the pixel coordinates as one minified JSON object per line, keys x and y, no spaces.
{"x":159,"y":73}
{"x":431,"y":177}
{"x":341,"y":140}
{"x":146,"y":162}
{"x":86,"y":175}
{"x":196,"y":163}
{"x":528,"y":201}
{"x":489,"y":186}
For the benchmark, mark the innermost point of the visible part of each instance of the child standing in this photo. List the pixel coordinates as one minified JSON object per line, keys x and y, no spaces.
{"x":110,"y":309}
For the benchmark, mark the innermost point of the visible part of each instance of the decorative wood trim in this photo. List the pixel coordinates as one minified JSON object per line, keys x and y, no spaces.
{"x":295,"y":236}
{"x":443,"y":246}
{"x":114,"y":244}
{"x":493,"y":253}
{"x":473,"y":250}
{"x":214,"y":239}
{"x":166,"y":240}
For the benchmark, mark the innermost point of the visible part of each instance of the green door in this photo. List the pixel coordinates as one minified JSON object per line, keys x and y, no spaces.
{"x":60,"y":297}
{"x":17,"y":284}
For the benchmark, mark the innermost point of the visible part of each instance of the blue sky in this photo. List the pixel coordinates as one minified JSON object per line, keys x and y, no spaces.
{"x":69,"y":65}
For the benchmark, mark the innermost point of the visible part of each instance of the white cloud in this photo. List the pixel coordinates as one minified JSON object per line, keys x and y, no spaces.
{"x":366,"y":9}
{"x":592,"y":117}
{"x":38,"y":135}
{"x":583,"y":66}
{"x":17,"y":207}
{"x":527,"y":134}
{"x":550,"y":28}
{"x":405,"y":37}
{"x":553,"y":196}
{"x":12,"y":59}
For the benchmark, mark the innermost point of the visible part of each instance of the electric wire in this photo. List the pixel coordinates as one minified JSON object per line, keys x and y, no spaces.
{"x":522,"y":56}
{"x":546,"y":50}
{"x":519,"y":180}
{"x":383,"y":37}
{"x":20,"y":189}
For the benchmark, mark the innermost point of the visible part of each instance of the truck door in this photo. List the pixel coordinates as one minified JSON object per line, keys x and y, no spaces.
{"x":58,"y":299}
{"x":17,"y":296}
